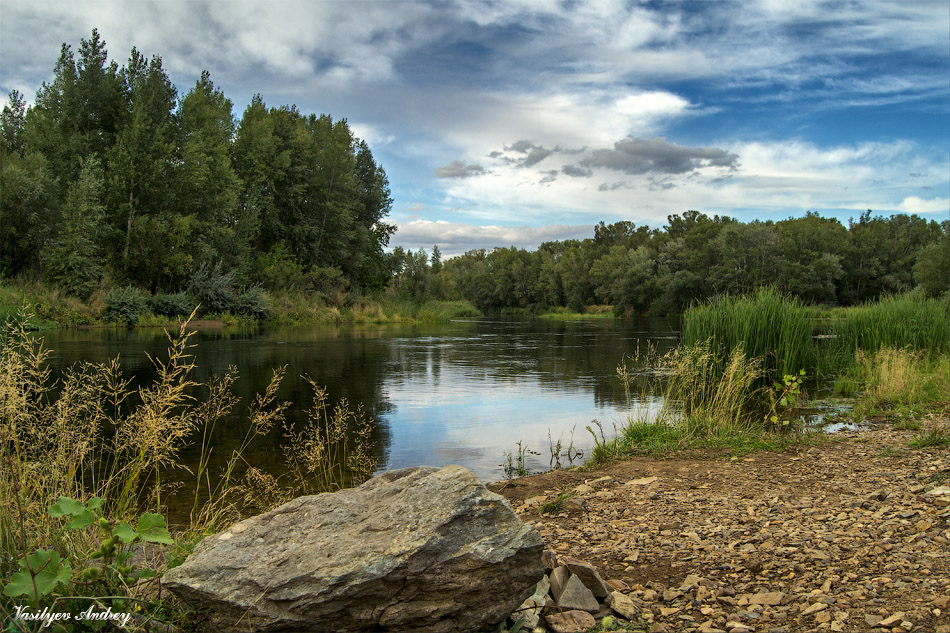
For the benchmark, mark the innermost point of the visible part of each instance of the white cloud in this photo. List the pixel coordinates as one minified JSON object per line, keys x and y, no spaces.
{"x":913,"y":204}
{"x":454,"y":238}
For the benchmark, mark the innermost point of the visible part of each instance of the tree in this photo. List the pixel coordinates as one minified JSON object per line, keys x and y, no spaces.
{"x":73,"y":260}
{"x":141,"y":166}
{"x":932,"y":270}
{"x":207,"y":186}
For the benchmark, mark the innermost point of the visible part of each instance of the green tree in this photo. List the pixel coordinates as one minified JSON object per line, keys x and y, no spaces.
{"x":207,"y":185}
{"x":73,"y":259}
{"x":932,"y":270}
{"x":28,"y":209}
{"x":140,"y":170}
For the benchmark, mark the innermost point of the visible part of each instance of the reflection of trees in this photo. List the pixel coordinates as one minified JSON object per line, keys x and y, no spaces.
{"x":350,"y":363}
{"x":559,"y":355}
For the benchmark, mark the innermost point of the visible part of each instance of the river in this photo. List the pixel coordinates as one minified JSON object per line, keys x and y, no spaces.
{"x":463,"y":392}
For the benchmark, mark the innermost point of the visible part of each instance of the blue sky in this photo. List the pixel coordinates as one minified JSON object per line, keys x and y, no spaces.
{"x":516,"y":122}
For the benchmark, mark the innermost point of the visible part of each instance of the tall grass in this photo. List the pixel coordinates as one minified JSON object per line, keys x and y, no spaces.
{"x":899,"y":380}
{"x":895,"y":322}
{"x":775,"y":330}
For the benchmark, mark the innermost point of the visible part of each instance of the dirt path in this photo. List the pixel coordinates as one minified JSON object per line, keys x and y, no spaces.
{"x":849,"y":535}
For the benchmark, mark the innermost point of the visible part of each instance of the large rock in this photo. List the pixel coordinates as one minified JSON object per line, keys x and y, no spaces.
{"x":418,"y":549}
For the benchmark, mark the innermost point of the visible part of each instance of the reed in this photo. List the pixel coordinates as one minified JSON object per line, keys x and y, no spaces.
{"x":895,"y":322}
{"x":774,"y":330}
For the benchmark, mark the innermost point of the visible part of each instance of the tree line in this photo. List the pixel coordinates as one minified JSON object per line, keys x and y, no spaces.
{"x":111,"y":177}
{"x":661,"y":271}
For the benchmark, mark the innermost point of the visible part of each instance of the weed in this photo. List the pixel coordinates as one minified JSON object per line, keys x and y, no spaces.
{"x":517,"y":465}
{"x":555,"y":505}
{"x":934,"y":433}
{"x":558,"y":450}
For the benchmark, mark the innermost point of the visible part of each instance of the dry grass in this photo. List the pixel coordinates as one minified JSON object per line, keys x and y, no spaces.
{"x":90,"y":435}
{"x":893,"y":379}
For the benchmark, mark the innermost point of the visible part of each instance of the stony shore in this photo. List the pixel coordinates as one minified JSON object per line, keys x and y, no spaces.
{"x":851,"y":534}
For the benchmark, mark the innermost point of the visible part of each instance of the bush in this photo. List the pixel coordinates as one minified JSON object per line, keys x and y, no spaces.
{"x":125,"y":305}
{"x":213,"y":289}
{"x":179,"y":304}
{"x":252,"y":302}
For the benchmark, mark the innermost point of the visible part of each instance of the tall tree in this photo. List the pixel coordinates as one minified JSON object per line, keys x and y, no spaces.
{"x":73,"y":259}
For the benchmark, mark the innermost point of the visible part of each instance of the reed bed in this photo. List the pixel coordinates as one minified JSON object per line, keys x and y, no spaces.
{"x":895,"y":322}
{"x":775,"y":330}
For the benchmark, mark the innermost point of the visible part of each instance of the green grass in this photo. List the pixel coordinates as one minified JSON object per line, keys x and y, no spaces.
{"x":775,"y":330}
{"x":897,"y":323}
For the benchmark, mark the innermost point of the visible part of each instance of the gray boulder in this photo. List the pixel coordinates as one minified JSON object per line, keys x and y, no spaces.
{"x":418,"y":549}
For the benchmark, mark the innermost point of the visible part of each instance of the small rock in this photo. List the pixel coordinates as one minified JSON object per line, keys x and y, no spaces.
{"x":576,"y":596}
{"x":768,"y":598}
{"x":942,"y":602}
{"x":559,"y":578}
{"x":892,"y":620}
{"x":650,"y":595}
{"x":671,"y":594}
{"x":583,"y":489}
{"x":872,"y":620}
{"x":624,"y":606}
{"x":619,"y":585}
{"x":939,"y":491}
{"x":588,"y":575}
{"x":644,"y":481}
{"x":570,"y":621}
{"x":530,"y":609}
{"x":815,"y":608}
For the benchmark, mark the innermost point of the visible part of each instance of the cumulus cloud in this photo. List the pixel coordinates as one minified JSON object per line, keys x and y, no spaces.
{"x":640,"y":156}
{"x":913,"y":204}
{"x":455,"y":238}
{"x":459,"y":169}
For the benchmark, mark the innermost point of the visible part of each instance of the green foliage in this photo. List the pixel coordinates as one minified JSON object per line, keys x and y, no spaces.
{"x":555,"y":505}
{"x":517,"y":463}
{"x":782,"y":397}
{"x":125,"y":304}
{"x":73,"y":260}
{"x":252,"y":303}
{"x":40,"y":574}
{"x":105,"y":570}
{"x":179,"y":304}
{"x":213,"y":288}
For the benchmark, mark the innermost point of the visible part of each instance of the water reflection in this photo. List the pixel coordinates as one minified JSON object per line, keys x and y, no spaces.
{"x":462,"y":392}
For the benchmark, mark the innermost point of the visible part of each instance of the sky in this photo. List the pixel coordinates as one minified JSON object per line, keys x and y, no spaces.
{"x":515,"y":122}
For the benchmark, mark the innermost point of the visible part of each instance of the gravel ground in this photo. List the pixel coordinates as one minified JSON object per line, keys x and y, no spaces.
{"x":851,"y":534}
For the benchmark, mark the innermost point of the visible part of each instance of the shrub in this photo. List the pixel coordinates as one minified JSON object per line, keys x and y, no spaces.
{"x":179,"y":304}
{"x":252,"y":302}
{"x":213,"y":288}
{"x":125,"y":305}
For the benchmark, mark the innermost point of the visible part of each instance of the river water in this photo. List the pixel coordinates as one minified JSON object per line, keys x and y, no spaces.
{"x":463,"y":392}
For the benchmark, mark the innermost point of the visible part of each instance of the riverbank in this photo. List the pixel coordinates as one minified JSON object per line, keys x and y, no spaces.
{"x":51,"y":308}
{"x":847,"y":534}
